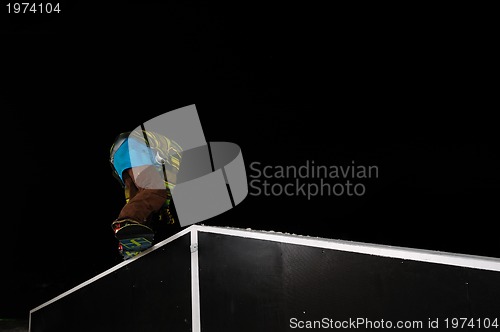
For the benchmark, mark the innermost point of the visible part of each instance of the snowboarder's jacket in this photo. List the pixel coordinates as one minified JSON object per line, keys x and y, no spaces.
{"x":139,"y":148}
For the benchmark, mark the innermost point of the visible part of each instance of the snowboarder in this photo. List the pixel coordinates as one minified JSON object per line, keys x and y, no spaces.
{"x":146,"y":165}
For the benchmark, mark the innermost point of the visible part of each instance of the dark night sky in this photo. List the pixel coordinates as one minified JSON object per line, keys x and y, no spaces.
{"x":405,"y":89}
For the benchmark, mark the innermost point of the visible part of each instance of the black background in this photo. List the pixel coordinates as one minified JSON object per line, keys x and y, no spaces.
{"x":409,"y":89}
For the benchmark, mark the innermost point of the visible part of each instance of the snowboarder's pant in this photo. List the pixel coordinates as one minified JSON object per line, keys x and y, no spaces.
{"x":146,"y":193}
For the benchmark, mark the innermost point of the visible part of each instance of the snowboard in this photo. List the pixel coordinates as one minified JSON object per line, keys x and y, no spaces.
{"x":133,"y":238}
